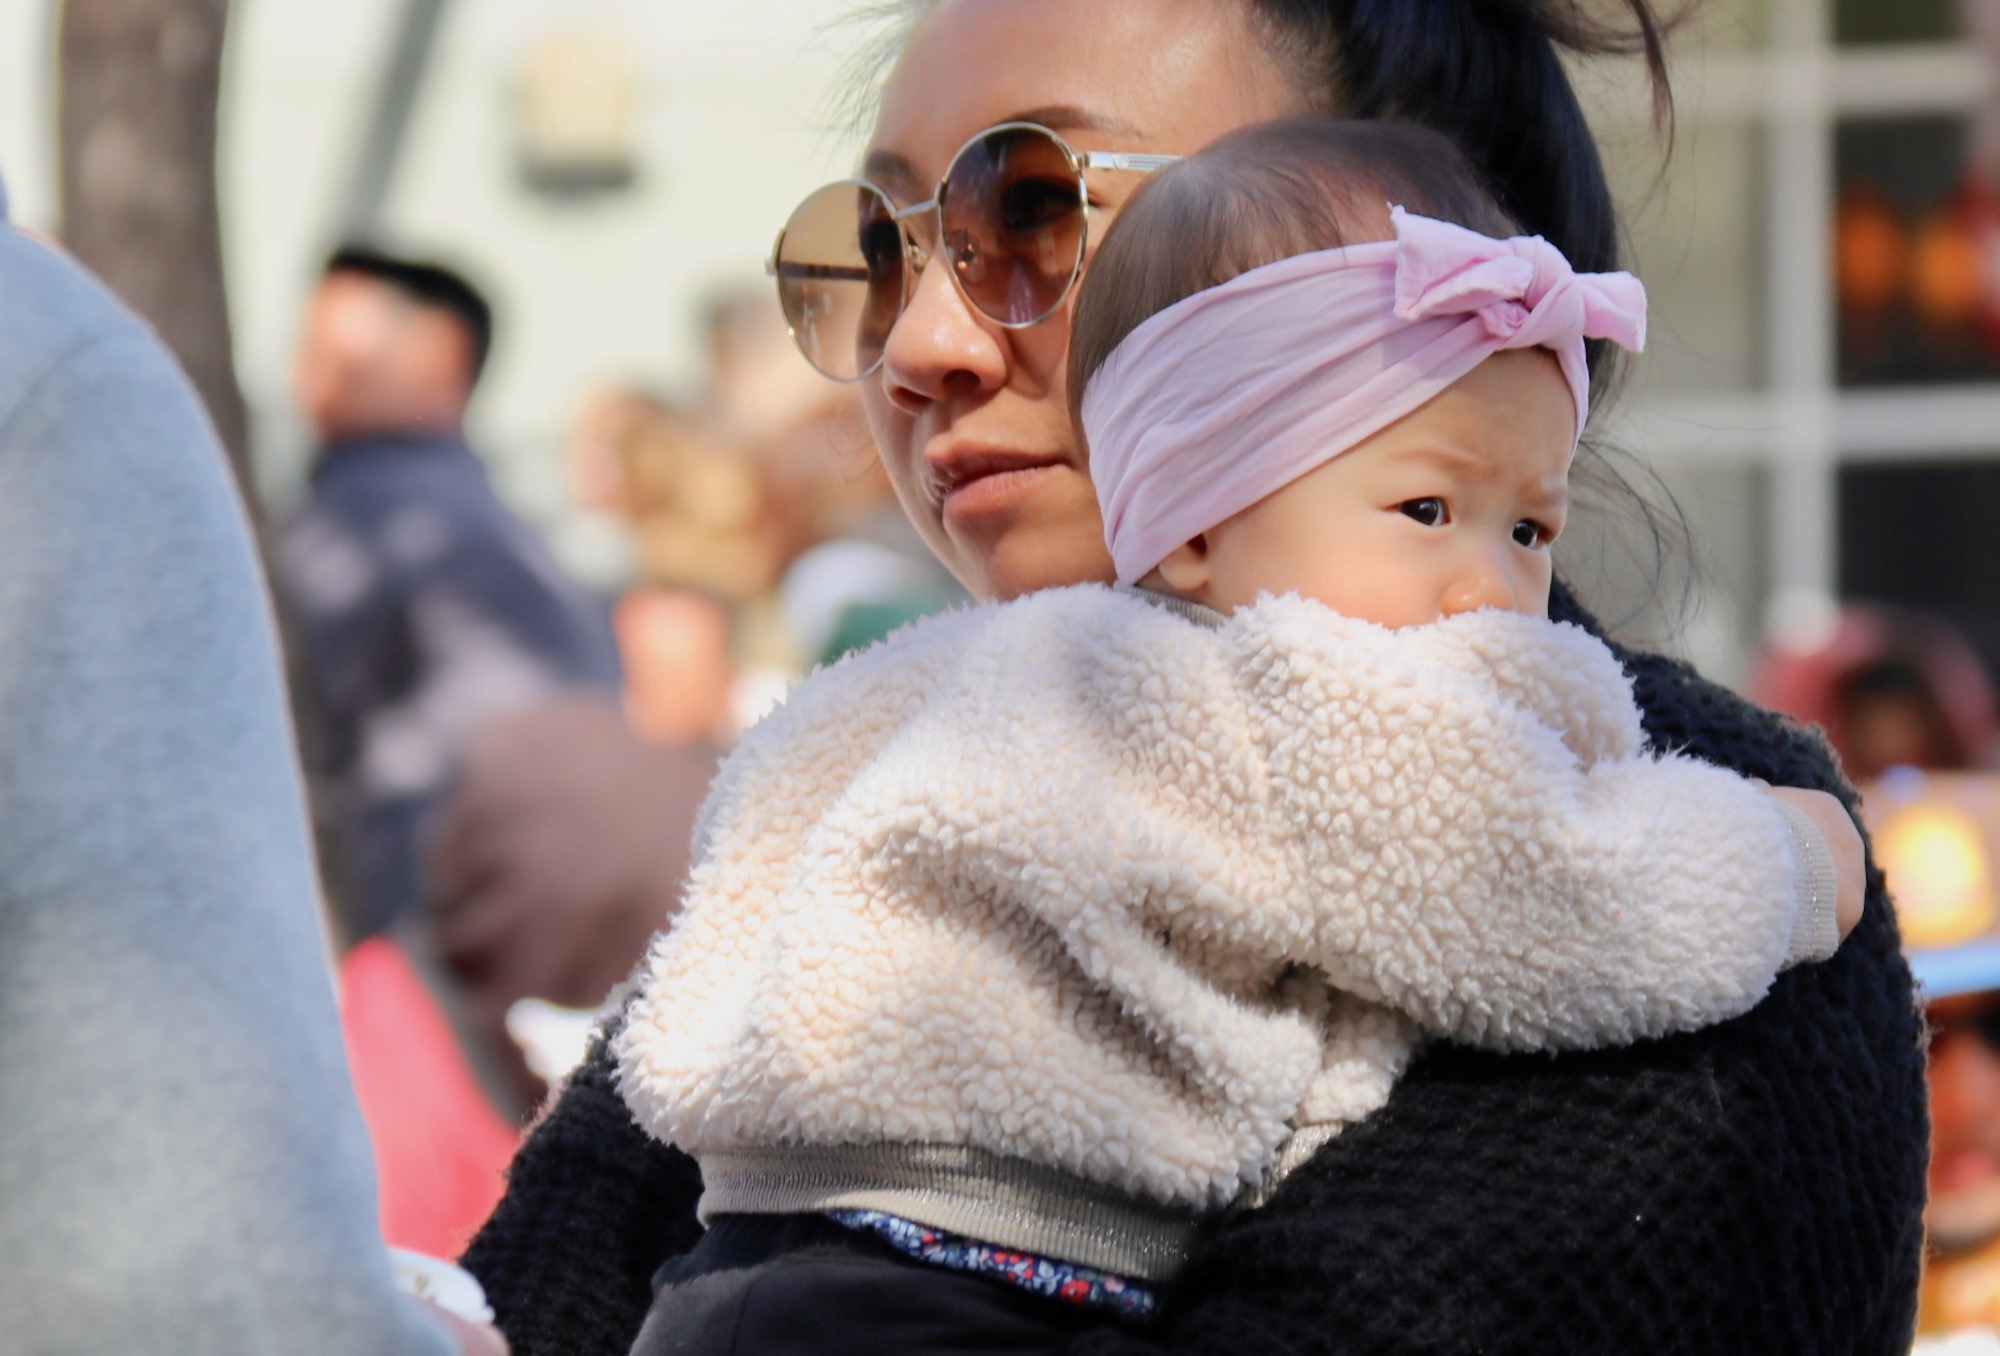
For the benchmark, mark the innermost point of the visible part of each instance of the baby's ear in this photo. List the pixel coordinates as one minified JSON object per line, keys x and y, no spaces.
{"x":1185,"y":570}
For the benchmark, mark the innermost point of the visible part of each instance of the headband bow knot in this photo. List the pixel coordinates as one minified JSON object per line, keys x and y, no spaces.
{"x":1232,"y":393}
{"x":1523,"y":290}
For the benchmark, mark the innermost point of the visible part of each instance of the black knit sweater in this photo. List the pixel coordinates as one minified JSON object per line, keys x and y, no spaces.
{"x":1752,"y":1188}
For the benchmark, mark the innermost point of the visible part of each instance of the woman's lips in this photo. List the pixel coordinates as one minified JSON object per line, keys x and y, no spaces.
{"x":969,"y":485}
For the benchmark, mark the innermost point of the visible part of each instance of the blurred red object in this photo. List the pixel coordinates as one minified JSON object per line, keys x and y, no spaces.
{"x":440,"y":1146}
{"x":1889,"y":687}
{"x":1978,"y":212}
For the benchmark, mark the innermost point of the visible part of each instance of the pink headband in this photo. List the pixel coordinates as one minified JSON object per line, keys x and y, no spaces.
{"x":1233,"y":393}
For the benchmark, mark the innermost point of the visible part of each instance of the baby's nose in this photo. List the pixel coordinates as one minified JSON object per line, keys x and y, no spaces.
{"x":1480,"y":584}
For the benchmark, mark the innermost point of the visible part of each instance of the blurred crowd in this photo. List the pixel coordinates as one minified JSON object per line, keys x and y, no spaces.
{"x":506,"y":764}
{"x":1909,"y":705}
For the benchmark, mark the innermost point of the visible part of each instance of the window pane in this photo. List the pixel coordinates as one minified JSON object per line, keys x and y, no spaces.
{"x":1723,"y":25}
{"x":1914,"y":233}
{"x":1856,"y":22}
{"x":1922,"y":536}
{"x":1698,"y":243}
{"x":1699,"y":594}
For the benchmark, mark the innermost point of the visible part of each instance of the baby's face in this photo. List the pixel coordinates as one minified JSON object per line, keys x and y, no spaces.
{"x":1450,"y":509}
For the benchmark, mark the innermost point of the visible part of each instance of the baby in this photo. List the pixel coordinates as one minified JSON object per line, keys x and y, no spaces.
{"x":1026,"y":942}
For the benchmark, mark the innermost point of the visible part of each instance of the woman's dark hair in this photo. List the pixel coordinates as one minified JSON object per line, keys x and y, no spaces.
{"x":1264,"y":193}
{"x":1489,"y":75}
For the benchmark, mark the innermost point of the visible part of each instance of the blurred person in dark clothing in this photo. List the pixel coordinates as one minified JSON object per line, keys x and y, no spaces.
{"x":424,"y":607}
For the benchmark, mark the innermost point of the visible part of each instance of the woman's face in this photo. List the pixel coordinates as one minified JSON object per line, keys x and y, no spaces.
{"x":972,"y":420}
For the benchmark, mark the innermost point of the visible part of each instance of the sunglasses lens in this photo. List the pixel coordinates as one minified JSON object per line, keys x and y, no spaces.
{"x":1012,"y":219}
{"x":840,"y":278}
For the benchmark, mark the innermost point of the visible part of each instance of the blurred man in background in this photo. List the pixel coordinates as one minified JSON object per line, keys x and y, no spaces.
{"x":424,"y":608}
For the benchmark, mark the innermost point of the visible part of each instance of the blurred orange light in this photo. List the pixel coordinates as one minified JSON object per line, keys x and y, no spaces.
{"x":1871,"y":252}
{"x":1938,"y":873}
{"x":1947,"y":275}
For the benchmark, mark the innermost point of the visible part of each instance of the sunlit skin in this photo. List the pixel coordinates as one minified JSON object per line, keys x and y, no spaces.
{"x":1450,"y":509}
{"x":1964,"y":1209}
{"x":970,"y":418}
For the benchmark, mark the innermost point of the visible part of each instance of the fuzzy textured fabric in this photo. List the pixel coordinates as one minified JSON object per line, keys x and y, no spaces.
{"x":1076,"y":881}
{"x":1749,"y":1188}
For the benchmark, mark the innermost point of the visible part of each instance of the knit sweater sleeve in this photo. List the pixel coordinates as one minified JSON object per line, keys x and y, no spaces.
{"x":1752,"y":1187}
{"x":594,"y":1205}
{"x":1501,"y":859}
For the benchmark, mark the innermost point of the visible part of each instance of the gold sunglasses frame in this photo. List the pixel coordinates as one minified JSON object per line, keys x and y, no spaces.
{"x":915,"y":256}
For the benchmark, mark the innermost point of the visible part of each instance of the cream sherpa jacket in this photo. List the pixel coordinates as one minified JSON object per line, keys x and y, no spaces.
{"x":1055,"y":923}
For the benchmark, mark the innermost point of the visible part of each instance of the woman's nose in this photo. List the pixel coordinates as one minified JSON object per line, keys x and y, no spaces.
{"x":939,"y":347}
{"x":1477,"y":583}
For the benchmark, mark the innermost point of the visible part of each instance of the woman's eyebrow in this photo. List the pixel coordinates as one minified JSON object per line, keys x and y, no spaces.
{"x":1071,"y":118}
{"x":885,"y":168}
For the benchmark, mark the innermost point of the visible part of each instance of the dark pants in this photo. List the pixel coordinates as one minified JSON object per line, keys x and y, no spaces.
{"x":794,"y":1285}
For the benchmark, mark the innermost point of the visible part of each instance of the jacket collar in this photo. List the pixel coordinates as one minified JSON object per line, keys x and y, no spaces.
{"x":1199,"y":613}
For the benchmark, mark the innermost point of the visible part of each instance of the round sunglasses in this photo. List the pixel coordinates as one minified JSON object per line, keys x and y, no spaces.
{"x":1009,"y":217}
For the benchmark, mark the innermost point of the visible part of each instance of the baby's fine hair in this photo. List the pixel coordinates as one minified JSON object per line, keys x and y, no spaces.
{"x":1259,"y":195}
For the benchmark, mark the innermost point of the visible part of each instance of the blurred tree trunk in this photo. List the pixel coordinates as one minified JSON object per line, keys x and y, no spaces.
{"x":138,"y":82}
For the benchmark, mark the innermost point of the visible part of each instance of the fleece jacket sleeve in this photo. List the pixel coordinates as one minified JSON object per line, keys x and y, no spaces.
{"x":1489,"y":850}
{"x":1751,"y":1187}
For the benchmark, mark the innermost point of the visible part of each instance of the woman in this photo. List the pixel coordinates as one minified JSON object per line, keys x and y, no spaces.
{"x":1755,"y":1188}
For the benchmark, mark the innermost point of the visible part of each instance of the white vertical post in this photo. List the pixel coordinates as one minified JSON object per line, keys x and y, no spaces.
{"x":1803,"y":510}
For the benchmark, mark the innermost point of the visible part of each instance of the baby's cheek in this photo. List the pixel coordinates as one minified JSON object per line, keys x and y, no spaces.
{"x":1537,"y":602}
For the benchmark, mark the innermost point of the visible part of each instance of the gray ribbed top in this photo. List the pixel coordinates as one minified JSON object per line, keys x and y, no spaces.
{"x":1201,"y":614}
{"x":1004,"y":1201}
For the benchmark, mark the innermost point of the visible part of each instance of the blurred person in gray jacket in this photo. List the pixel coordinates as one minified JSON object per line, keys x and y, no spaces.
{"x":424,"y":608}
{"x":182,"y":1167}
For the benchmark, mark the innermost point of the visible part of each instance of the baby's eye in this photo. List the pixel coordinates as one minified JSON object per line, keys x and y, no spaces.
{"x":1429,"y":512}
{"x":1531,"y":534}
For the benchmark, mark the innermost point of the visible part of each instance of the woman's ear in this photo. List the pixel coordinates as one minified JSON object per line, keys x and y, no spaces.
{"x":1185,"y":570}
